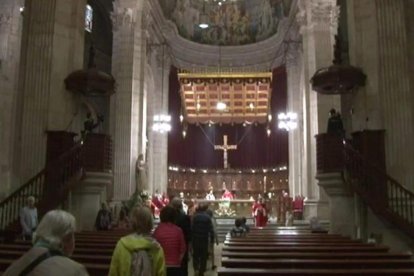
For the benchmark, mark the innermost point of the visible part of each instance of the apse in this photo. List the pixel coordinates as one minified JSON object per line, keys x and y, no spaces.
{"x":259,"y":143}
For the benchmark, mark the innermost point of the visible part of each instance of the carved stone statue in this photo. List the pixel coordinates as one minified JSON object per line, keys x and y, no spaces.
{"x":141,"y":174}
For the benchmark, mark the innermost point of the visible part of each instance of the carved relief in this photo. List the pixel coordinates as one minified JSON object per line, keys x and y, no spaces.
{"x":317,"y":13}
{"x":5,"y":19}
{"x":122,"y":16}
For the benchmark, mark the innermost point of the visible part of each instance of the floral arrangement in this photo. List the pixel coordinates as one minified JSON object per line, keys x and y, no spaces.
{"x":224,"y":210}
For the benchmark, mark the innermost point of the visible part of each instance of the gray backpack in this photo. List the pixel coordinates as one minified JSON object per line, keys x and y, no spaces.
{"x":141,"y":263}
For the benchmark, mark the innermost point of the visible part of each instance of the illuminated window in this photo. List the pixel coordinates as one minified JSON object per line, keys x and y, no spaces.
{"x":88,"y":18}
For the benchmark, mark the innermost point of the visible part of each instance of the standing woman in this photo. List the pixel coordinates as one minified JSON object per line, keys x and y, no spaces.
{"x":54,"y":242}
{"x":138,"y":253}
{"x":172,"y":241}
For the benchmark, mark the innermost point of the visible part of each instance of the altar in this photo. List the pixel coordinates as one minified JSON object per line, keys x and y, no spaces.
{"x":223,"y":208}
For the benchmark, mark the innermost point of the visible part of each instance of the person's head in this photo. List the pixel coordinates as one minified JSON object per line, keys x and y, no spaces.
{"x":104,"y":206}
{"x":238,"y":222}
{"x":332,"y":112}
{"x":202,"y":207}
{"x":31,"y":201}
{"x":141,"y":220}
{"x":122,"y":214}
{"x":88,"y":115}
{"x":168,"y":214}
{"x":243,"y":220}
{"x":57,"y":229}
{"x":209,"y":213}
{"x":181,"y":195}
{"x":176,"y":203}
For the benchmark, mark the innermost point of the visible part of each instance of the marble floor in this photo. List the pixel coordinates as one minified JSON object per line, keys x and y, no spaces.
{"x":217,"y":260}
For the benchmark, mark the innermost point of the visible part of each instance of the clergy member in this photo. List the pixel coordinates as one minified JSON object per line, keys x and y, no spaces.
{"x":227,"y":194}
{"x":210,"y":194}
{"x":259,"y":212}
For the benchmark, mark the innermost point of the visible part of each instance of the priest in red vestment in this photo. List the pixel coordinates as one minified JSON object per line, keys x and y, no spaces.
{"x":259,"y":213}
{"x":227,"y":195}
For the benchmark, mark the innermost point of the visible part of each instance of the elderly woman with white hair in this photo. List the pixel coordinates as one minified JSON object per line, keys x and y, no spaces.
{"x":54,"y":242}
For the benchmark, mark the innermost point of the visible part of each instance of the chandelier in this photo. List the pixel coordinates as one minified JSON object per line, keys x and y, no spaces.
{"x":287,"y":121}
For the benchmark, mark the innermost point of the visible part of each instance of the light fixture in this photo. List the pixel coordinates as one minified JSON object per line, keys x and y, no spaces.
{"x":287,"y":121}
{"x":269,"y":117}
{"x":203,"y":23}
{"x":221,"y":106}
{"x":251,"y":106}
{"x":181,"y":118}
{"x":161,"y":122}
{"x":268,"y":131}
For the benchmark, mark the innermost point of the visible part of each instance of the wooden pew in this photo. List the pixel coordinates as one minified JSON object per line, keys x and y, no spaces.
{"x":225,"y":271}
{"x":312,"y":255}
{"x":317,"y":249}
{"x":293,"y":243}
{"x":331,"y":264}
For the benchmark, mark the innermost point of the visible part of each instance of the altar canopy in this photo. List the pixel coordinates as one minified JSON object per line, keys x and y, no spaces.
{"x":246,"y":95}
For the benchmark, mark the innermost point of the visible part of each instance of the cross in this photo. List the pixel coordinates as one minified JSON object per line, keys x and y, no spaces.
{"x":225,"y":147}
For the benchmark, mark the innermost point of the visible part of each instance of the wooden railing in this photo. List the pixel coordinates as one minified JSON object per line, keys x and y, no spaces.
{"x":49,"y":187}
{"x":384,"y":195}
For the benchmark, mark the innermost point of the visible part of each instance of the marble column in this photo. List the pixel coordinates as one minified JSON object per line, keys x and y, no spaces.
{"x":52,"y":47}
{"x":128,"y":68}
{"x":318,"y":24}
{"x":11,"y":20}
{"x":379,"y":44}
{"x":294,"y":76}
{"x":159,"y":141}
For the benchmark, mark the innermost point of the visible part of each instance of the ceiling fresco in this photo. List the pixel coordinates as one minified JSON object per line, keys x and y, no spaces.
{"x":234,"y":22}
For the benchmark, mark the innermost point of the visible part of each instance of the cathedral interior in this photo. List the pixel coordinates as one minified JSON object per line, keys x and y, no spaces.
{"x":104,"y":99}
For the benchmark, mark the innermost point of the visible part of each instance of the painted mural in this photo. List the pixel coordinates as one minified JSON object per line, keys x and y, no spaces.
{"x":235,"y":22}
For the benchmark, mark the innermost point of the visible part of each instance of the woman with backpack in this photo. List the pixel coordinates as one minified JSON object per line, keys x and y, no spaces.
{"x":138,"y":253}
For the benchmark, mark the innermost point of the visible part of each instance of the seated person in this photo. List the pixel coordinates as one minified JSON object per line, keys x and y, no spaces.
{"x":103,"y":219}
{"x":238,"y":230}
{"x":123,"y":220}
{"x":54,"y":242}
{"x":244,"y":225}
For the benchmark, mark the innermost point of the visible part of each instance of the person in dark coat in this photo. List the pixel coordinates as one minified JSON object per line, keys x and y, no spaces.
{"x":202,"y":233}
{"x":183,"y":221}
{"x":103,"y":219}
{"x":335,"y":125}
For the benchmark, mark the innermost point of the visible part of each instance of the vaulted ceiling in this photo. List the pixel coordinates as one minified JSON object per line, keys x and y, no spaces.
{"x":231,"y":22}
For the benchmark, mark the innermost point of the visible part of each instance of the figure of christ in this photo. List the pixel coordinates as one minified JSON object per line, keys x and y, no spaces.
{"x":259,"y":213}
{"x":225,"y":147}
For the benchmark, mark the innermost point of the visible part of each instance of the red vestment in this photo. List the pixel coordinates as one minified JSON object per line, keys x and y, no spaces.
{"x":227,"y":195}
{"x":259,"y":212}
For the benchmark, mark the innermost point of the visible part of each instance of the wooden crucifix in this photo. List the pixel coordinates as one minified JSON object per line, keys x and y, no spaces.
{"x":225,"y":147}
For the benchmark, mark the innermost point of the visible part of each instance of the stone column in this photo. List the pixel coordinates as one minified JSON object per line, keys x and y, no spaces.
{"x":128,"y":64}
{"x":11,"y":20}
{"x":159,"y":141}
{"x":294,"y":75}
{"x":52,"y":47}
{"x":318,"y":24}
{"x":379,"y":44}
